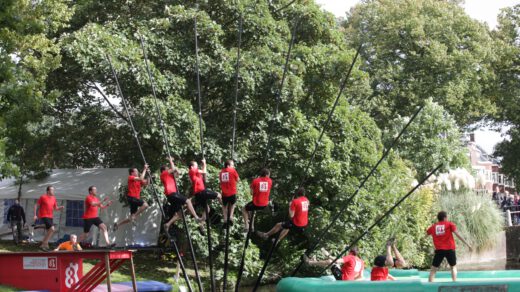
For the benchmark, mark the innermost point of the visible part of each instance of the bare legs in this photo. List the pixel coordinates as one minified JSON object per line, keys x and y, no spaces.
{"x":225,"y":209}
{"x":102,"y":228}
{"x":246,"y":215}
{"x":132,"y":216}
{"x":178,"y":216}
{"x":433,"y":270}
{"x":47,"y":237}
{"x":276,"y":228}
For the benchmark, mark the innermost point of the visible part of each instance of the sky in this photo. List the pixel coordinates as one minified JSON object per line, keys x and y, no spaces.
{"x":482,"y":10}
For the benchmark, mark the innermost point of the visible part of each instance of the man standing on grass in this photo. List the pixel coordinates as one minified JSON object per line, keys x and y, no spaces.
{"x":16,"y":218}
{"x":442,"y":235}
{"x":46,"y":205}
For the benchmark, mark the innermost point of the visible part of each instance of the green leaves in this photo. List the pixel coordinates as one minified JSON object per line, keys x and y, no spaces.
{"x":421,"y":49}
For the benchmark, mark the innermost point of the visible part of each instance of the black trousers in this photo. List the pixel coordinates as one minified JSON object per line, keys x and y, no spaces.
{"x":16,"y":227}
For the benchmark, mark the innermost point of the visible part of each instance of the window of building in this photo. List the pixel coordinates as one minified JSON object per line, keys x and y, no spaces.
{"x":74,"y":213}
{"x":494,"y":177}
{"x":7,"y":204}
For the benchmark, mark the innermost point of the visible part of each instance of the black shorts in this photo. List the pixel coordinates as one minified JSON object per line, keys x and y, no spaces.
{"x":230,"y":200}
{"x":440,"y":254}
{"x":134,"y":204}
{"x":202,"y":197}
{"x":252,"y":207}
{"x":290,"y":225}
{"x":48,"y":222}
{"x":176,"y":201}
{"x":87,"y":223}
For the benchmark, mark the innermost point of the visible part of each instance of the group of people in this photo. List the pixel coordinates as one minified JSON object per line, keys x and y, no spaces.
{"x":200,"y":196}
{"x":351,"y":267}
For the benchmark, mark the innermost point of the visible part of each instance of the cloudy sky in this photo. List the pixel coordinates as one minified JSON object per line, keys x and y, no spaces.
{"x":482,"y":10}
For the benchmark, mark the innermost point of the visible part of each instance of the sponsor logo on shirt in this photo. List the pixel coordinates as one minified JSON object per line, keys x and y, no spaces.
{"x":264,"y":186}
{"x":305,"y":206}
{"x":440,"y":230}
{"x":357,"y":267}
{"x":224,"y":177}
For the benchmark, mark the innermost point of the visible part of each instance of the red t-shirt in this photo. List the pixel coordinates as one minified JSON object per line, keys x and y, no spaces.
{"x":300,"y":207}
{"x":352,"y":267}
{"x":168,"y":180}
{"x":134,"y":187}
{"x":228,"y":181}
{"x":379,"y":274}
{"x":47,"y":205}
{"x":442,"y":234}
{"x":261,"y":190}
{"x":91,"y":211}
{"x":197,"y":181}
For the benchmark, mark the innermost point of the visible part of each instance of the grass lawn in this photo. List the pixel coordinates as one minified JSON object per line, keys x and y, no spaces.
{"x":148,"y":266}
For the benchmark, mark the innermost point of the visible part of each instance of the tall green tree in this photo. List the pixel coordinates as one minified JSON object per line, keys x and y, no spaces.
{"x":28,"y":53}
{"x":507,"y":87}
{"x":431,"y":139}
{"x":415,"y":50}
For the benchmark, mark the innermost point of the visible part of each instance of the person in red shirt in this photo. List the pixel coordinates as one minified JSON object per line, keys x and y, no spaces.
{"x":261,"y":189}
{"x":442,"y":235}
{"x":298,"y":213}
{"x":199,"y":191}
{"x":133,"y":197}
{"x":228,"y":178}
{"x":379,"y":270}
{"x":45,"y":206}
{"x":352,"y":267}
{"x":91,"y":215}
{"x":175,"y":199}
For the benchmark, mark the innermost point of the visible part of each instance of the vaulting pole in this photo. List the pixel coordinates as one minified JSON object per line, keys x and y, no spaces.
{"x":355,"y":241}
{"x":152,"y":183}
{"x":361,"y":185}
{"x":208,"y":220}
{"x":246,"y":245}
{"x":166,"y":143}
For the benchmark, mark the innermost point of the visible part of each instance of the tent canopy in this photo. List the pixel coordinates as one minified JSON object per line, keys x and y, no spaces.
{"x":70,"y":184}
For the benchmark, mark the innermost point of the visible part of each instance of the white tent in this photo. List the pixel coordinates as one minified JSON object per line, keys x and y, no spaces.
{"x":71,"y":187}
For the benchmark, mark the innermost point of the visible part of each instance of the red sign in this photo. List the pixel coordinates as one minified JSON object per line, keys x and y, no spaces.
{"x":40,"y":263}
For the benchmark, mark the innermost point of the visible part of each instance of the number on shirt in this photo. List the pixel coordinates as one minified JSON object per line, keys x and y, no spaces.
{"x":357,"y":267}
{"x":440,"y":230}
{"x":225,"y":177}
{"x":264,"y":186}
{"x":305,"y":206}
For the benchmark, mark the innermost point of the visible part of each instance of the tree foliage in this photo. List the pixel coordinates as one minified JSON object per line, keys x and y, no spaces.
{"x":507,"y":86}
{"x":431,"y":139}
{"x":415,"y":50}
{"x":58,"y":90}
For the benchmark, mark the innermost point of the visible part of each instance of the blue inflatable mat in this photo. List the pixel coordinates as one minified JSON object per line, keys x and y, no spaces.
{"x":144,"y":286}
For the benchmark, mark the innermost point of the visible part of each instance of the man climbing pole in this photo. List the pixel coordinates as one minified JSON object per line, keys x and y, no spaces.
{"x":261,"y":189}
{"x":298,"y":214}
{"x":136,"y":204}
{"x":175,"y":199}
{"x":200,"y":192}
{"x":228,"y":178}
